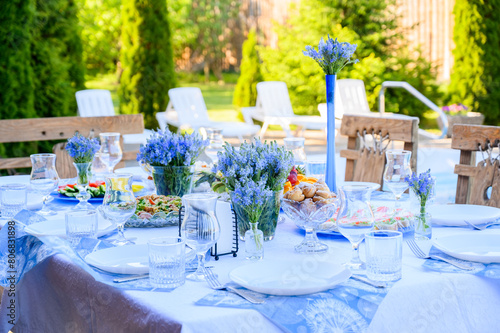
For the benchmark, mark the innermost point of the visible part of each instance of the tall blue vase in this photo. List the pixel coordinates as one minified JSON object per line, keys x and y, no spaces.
{"x":331,"y":174}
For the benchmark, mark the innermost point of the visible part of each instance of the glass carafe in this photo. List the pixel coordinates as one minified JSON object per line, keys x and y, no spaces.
{"x":214,"y":135}
{"x":200,"y":227}
{"x":355,"y":219}
{"x":111,"y":152}
{"x":296,"y":146}
{"x":119,"y":203}
{"x":44,"y":178}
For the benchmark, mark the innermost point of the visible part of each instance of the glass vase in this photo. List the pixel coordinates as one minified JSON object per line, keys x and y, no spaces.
{"x":254,"y":242}
{"x":173,"y":180}
{"x":83,"y":175}
{"x":268,"y":218}
{"x":423,"y":227}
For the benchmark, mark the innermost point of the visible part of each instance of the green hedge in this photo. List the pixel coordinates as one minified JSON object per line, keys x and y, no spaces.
{"x":475,"y":80}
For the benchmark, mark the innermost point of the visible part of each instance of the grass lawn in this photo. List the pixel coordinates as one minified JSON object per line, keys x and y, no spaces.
{"x":218,"y":98}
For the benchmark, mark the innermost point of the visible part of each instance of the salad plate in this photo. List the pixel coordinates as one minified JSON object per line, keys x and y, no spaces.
{"x":472,"y":246}
{"x":127,"y":259}
{"x":57,"y":227}
{"x":289,"y":278}
{"x":155,"y":211}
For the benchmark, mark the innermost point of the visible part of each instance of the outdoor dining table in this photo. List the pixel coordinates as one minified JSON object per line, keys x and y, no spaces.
{"x":58,"y":294}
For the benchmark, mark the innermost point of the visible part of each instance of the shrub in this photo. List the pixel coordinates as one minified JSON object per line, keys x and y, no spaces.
{"x":245,"y":93}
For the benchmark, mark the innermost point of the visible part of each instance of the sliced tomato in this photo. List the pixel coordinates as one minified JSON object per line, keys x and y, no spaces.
{"x":96,"y":184}
{"x":151,"y":201}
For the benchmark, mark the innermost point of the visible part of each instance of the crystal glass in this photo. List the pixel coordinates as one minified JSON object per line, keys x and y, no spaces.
{"x":397,"y":168}
{"x":167,"y":262}
{"x":355,"y":219}
{"x":384,"y":253}
{"x":200,"y":227}
{"x":214,"y":135}
{"x":254,"y":242}
{"x":44,"y":178}
{"x":309,"y":215}
{"x":80,"y":223}
{"x":316,"y":169}
{"x":13,"y":199}
{"x":296,"y":146}
{"x":119,"y":203}
{"x":111,"y":152}
{"x":83,"y":174}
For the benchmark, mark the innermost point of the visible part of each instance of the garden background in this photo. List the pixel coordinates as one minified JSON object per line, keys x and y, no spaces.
{"x":139,"y":49}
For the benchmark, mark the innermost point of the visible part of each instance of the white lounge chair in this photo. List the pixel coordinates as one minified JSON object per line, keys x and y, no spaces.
{"x":98,"y":103}
{"x":274,"y":108}
{"x":187,"y":109}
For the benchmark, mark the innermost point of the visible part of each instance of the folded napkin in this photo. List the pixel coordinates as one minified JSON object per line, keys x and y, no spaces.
{"x":349,"y":307}
{"x":487,"y":270}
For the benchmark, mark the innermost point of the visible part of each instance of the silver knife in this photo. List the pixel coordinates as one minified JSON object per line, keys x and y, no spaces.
{"x":143,"y":276}
{"x":370,"y":282}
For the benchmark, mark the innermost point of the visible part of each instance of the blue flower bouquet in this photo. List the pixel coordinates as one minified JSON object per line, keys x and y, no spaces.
{"x":254,"y":176}
{"x":172,"y":157}
{"x":82,"y":150}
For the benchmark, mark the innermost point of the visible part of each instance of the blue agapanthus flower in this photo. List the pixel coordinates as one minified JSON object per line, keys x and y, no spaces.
{"x":422,"y":185}
{"x":251,"y":196}
{"x":165,"y":148}
{"x":332,"y":55}
{"x":255,"y":161}
{"x":82,"y":149}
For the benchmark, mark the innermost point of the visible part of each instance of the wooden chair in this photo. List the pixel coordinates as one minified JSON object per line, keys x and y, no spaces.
{"x":57,"y":128}
{"x":474,"y":180}
{"x":368,"y":138}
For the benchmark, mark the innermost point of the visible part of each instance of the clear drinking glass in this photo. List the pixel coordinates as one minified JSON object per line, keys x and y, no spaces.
{"x":200,"y":227}
{"x":13,"y":199}
{"x":44,"y":178}
{"x":316,"y":169}
{"x":167,"y":262}
{"x":355,"y":219}
{"x":296,"y":146}
{"x":80,"y":223}
{"x":214,"y":135}
{"x":111,"y":152}
{"x":384,"y":255}
{"x":397,"y":168}
{"x":119,"y":203}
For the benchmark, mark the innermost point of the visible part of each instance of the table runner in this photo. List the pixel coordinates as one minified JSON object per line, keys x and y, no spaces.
{"x":349,"y":307}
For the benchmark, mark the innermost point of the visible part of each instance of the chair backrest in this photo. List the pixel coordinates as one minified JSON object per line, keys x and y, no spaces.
{"x":474,"y":180}
{"x":190,"y":106}
{"x":368,"y":138}
{"x":353,"y":95}
{"x":94,"y":103}
{"x":274,"y":100}
{"x":60,"y":128}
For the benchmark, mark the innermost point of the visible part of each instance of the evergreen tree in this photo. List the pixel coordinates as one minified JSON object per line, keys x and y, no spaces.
{"x":245,"y":93}
{"x":475,"y":80}
{"x":147,"y":59}
{"x":56,"y":58}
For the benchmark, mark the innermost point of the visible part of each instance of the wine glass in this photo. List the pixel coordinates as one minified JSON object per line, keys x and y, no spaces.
{"x":111,"y":152}
{"x":44,"y":178}
{"x":355,"y":219}
{"x":200,"y":227}
{"x":119,"y":203}
{"x":397,"y":168}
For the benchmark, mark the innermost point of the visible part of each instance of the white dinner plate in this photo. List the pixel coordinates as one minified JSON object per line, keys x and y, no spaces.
{"x":473,"y":246}
{"x":372,"y":186}
{"x":289,"y":278}
{"x":127,"y":259}
{"x":455,"y":215}
{"x":57,"y":227}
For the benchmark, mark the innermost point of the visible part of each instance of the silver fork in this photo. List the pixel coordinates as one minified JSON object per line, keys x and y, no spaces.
{"x":214,"y":283}
{"x":420,"y":254}
{"x":482,"y":226}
